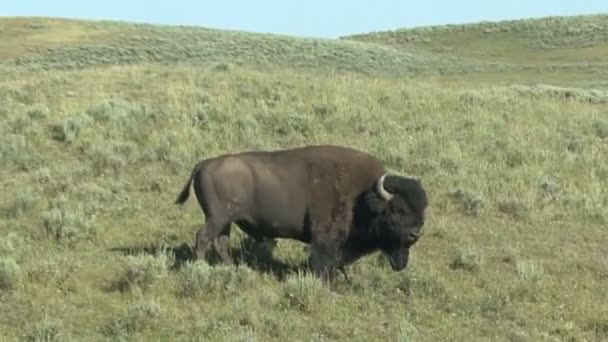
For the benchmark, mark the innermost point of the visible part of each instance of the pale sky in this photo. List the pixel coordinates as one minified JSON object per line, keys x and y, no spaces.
{"x":312,"y":18}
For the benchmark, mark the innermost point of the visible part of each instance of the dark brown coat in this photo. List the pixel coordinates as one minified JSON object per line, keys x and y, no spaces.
{"x":326,"y":196}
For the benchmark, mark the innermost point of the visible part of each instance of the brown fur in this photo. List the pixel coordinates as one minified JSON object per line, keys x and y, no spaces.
{"x":309,"y":193}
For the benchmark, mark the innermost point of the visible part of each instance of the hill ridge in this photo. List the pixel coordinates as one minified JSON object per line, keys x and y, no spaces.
{"x":487,"y":50}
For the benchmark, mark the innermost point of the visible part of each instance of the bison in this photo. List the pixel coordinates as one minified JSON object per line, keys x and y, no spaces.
{"x":338,"y":200}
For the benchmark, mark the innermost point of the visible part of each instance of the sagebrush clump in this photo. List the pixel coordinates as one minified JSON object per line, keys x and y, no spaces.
{"x":10,"y":273}
{"x":142,"y":271}
{"x":139,"y":316}
{"x":68,"y":222}
{"x":304,"y":291}
{"x":201,"y":279}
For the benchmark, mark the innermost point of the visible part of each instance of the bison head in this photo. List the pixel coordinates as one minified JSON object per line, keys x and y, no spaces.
{"x":399,"y":207}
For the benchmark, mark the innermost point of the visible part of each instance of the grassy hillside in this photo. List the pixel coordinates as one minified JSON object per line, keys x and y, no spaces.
{"x":579,"y":39}
{"x":62,"y":44}
{"x":567,"y":48}
{"x":100,"y":124}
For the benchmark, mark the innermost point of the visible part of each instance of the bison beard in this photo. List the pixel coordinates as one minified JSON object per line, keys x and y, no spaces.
{"x":338,"y":200}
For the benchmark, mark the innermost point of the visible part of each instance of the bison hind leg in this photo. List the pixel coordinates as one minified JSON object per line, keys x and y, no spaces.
{"x":214,"y":233}
{"x":221,"y":244}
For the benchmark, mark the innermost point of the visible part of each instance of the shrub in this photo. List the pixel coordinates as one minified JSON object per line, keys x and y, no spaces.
{"x":599,"y":327}
{"x":22,"y":124}
{"x":200,"y":278}
{"x":576,"y":144}
{"x":428,"y":285}
{"x":68,"y":223}
{"x":529,"y":271}
{"x":531,"y":276}
{"x":406,"y":331}
{"x":109,"y":156}
{"x":57,"y":270}
{"x":374,"y":280}
{"x":23,"y":202}
{"x":515,"y":158}
{"x":69,"y":130}
{"x":514,"y":207}
{"x":562,"y":93}
{"x":139,"y":316}
{"x":42,"y":176}
{"x":16,"y":150}
{"x":109,"y":111}
{"x":294,"y":123}
{"x":468,"y":260}
{"x":600,"y":128}
{"x":10,"y":93}
{"x":304,"y":291}
{"x":548,"y":187}
{"x":112,"y":198}
{"x":10,"y":273}
{"x":223,"y":67}
{"x":10,"y":244}
{"x":38,"y":112}
{"x":167,"y":148}
{"x":142,"y":271}
{"x":45,"y":329}
{"x":470,"y":203}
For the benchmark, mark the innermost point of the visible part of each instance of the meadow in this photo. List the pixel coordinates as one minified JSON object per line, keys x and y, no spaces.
{"x":101,"y":122}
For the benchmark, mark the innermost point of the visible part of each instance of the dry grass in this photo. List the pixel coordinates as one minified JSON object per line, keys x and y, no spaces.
{"x":550,"y":40}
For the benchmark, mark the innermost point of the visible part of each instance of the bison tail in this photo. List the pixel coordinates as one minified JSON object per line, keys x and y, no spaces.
{"x":183,"y":196}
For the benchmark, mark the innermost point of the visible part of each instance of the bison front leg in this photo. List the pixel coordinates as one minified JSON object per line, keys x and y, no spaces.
{"x":330,"y":233}
{"x":323,"y":259}
{"x":343,"y":270}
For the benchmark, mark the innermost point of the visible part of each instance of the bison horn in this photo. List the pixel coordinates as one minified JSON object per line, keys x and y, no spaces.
{"x":382,"y":191}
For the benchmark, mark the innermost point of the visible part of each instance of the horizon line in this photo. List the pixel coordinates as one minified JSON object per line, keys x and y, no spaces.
{"x":190,"y":25}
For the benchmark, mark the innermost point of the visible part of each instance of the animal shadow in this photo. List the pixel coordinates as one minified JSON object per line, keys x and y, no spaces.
{"x":256,"y":255}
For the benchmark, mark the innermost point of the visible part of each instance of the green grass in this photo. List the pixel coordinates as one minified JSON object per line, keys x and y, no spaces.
{"x":576,"y":39}
{"x":93,"y":156}
{"x":558,"y":50}
{"x":111,"y":43}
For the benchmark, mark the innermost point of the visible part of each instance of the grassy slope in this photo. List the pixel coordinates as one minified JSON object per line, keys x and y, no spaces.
{"x":93,"y":156}
{"x":565,"y":49}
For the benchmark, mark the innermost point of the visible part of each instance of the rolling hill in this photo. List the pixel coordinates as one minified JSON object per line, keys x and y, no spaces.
{"x":506,"y":124}
{"x":51,"y":43}
{"x":571,"y":49}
